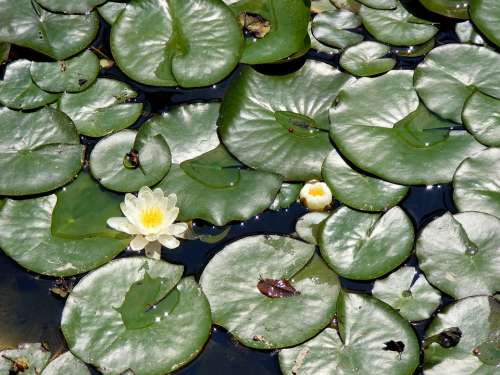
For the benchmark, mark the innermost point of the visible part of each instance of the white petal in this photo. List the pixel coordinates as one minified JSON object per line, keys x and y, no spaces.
{"x":146,"y":194}
{"x":158,"y":194}
{"x":169,"y":241}
{"x":138,"y":243}
{"x":130,"y":211}
{"x":153,"y":250}
{"x":152,"y":237}
{"x":170,"y":215}
{"x":122,"y":224}
{"x":172,"y":200}
{"x":177,"y":229}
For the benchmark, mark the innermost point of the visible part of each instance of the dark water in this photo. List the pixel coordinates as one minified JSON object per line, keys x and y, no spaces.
{"x":30,"y":313}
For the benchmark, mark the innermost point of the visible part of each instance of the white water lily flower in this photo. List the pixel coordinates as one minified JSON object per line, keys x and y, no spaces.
{"x":316,"y":196}
{"x":150,"y":217}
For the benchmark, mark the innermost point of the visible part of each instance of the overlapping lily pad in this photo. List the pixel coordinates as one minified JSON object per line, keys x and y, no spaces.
{"x":103,"y":108}
{"x":317,"y":45}
{"x":370,"y":338}
{"x":213,"y":187}
{"x":448,"y":8}
{"x":111,"y":10}
{"x":32,"y":358}
{"x":476,"y":183}
{"x":68,"y":364}
{"x":459,"y":253}
{"x":481,"y":116}
{"x":182,"y":42}
{"x":288,"y":194}
{"x":307,"y":226}
{"x":70,"y":7}
{"x":73,"y":75}
{"x":57,"y":35}
{"x":380,"y":4}
{"x":468,"y":34}
{"x":270,"y":291}
{"x":367,"y":59}
{"x":380,"y":126}
{"x":279,"y":123}
{"x":44,"y":145}
{"x":364,"y":246}
{"x":414,"y":51}
{"x":409,"y":293}
{"x":485,"y":15}
{"x":477,"y":320}
{"x":318,"y":6}
{"x":357,"y":190}
{"x":330,"y":28}
{"x":150,"y":320}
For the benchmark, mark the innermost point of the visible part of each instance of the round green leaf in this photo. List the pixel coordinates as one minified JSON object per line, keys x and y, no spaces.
{"x":35,"y":356}
{"x":481,"y":116}
{"x":414,"y":51}
{"x":70,"y":7}
{"x":68,"y":364}
{"x":213,"y":187}
{"x":317,"y":45}
{"x":307,"y":226}
{"x":485,"y":14}
{"x":182,"y":42}
{"x":18,"y":91}
{"x":357,"y":190}
{"x":364,"y":246}
{"x":329,"y":28}
{"x":366,"y":59}
{"x":288,"y":194}
{"x":409,"y":293}
{"x":111,"y":10}
{"x":366,"y":328}
{"x":468,"y":34}
{"x":380,"y":4}
{"x":73,"y":75}
{"x":380,"y":126}
{"x":110,"y":158}
{"x":459,"y":253}
{"x":39,"y":151}
{"x":57,"y":35}
{"x":478,"y":319}
{"x":279,"y":123}
{"x":4,"y":52}
{"x":451,"y":73}
{"x":397,"y":27}
{"x":149,"y":321}
{"x":255,"y":319}
{"x":103,"y":108}
{"x":448,"y":8}
{"x":190,"y":129}
{"x":475,"y":184}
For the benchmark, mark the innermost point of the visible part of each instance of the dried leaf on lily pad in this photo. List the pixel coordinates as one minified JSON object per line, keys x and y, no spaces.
{"x":145,"y":310}
{"x":66,"y":364}
{"x":26,"y":359}
{"x":270,"y":291}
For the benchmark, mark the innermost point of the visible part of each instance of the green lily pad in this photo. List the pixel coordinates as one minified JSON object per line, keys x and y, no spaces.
{"x":4,"y":52}
{"x":68,"y":364}
{"x":329,"y":28}
{"x":448,"y":8}
{"x":481,"y":116}
{"x":190,"y":129}
{"x":32,"y":357}
{"x":351,"y":5}
{"x":57,"y":35}
{"x":213,"y":187}
{"x":150,"y":321}
{"x":367,"y":59}
{"x":451,"y":73}
{"x":103,"y":108}
{"x":288,"y":20}
{"x":485,"y":15}
{"x":380,"y":4}
{"x":279,"y":123}
{"x":307,"y":226}
{"x":182,"y":42}
{"x":362,"y":344}
{"x":357,"y":190}
{"x":380,"y":126}
{"x":397,"y":27}
{"x":468,"y":34}
{"x":318,"y":6}
{"x":126,"y":161}
{"x":70,"y":7}
{"x":477,"y":351}
{"x":459,"y":253}
{"x":409,"y":293}
{"x":414,"y":51}
{"x":475,"y":184}
{"x":231,"y":280}
{"x":288,"y":194}
{"x":73,"y":75}
{"x":111,"y":10}
{"x":364,"y":246}
{"x":317,"y":45}
{"x":44,"y":145}
{"x":18,"y":91}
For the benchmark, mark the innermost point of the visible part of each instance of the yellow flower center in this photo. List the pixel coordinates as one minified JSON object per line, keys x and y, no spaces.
{"x":151,"y":217}
{"x":316,"y":191}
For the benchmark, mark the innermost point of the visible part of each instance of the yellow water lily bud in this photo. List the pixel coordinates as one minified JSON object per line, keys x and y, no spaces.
{"x":316,"y":196}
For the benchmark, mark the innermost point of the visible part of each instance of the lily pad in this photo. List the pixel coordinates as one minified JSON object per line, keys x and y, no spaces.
{"x":397,"y":27}
{"x":414,"y":51}
{"x":364,"y":246}
{"x":450,"y":74}
{"x":288,"y":194}
{"x":307,"y":226}
{"x":485,"y":15}
{"x":111,"y":10}
{"x":409,"y":293}
{"x":477,"y":351}
{"x":279,"y":123}
{"x":190,"y":129}
{"x":367,"y":59}
{"x":149,"y":312}
{"x":357,"y":190}
{"x":182,"y":42}
{"x":213,"y":187}
{"x":481,"y":116}
{"x":70,"y":7}
{"x":468,"y":34}
{"x":329,"y":28}
{"x":4,"y":52}
{"x":28,"y":359}
{"x":380,"y":4}
{"x":270,"y":291}
{"x":103,"y":108}
{"x":18,"y":91}
{"x":127,"y":160}
{"x":459,"y":253}
{"x":448,"y":8}
{"x":318,"y":6}
{"x":380,"y":126}
{"x":475,"y":184}
{"x":317,"y":45}
{"x":73,"y":75}
{"x":57,"y":35}
{"x":366,"y":328}
{"x":44,"y":145}
{"x":68,"y":364}
{"x":351,"y":5}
